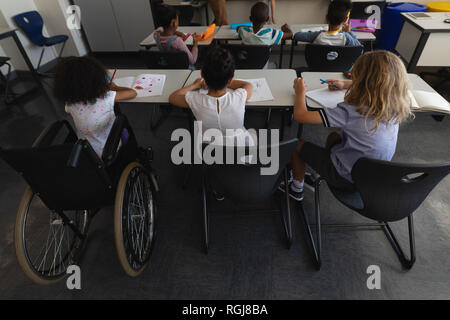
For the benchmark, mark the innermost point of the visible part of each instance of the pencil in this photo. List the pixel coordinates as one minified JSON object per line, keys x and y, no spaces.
{"x":112,"y":78}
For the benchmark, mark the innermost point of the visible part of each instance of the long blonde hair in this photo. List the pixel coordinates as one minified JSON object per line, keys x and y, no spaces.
{"x":380,"y":88}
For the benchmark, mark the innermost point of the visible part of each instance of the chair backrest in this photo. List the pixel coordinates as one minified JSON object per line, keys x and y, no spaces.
{"x":245,"y":182}
{"x":249,"y":56}
{"x":165,"y":60}
{"x":67,"y":176}
{"x":393,"y":191}
{"x":331,"y":58}
{"x":32,"y":24}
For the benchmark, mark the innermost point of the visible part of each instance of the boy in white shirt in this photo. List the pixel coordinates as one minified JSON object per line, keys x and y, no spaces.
{"x":223,"y":106}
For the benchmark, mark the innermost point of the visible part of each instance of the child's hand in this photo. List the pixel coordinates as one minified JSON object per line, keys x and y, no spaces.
{"x":346,"y":27}
{"x":299,"y":86}
{"x":195,"y":38}
{"x":335,"y":85}
{"x":285,"y":28}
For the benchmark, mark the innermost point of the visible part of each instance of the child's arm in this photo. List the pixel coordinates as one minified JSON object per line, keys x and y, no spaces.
{"x":301,"y":113}
{"x":239,"y":84}
{"x":178,"y":98}
{"x":180,"y":45}
{"x":122,"y":93}
{"x":287,"y":32}
{"x":272,"y":10}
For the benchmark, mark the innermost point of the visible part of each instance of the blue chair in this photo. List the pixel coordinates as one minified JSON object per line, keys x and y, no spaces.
{"x":32,"y":24}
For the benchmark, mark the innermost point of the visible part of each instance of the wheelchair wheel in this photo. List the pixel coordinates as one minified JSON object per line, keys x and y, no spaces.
{"x":134,"y":218}
{"x":45,"y":245}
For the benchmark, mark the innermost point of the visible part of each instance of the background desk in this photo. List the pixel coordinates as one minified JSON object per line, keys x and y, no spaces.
{"x":312,"y":80}
{"x":150,"y":40}
{"x":196,"y":5}
{"x":280,"y":82}
{"x":175,"y":80}
{"x":425,"y":43}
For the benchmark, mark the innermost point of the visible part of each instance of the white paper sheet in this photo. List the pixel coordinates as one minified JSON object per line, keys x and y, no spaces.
{"x":146,"y":85}
{"x":326,"y":98}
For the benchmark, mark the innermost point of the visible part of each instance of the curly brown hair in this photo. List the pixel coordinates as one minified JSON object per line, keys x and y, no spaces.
{"x":80,"y":80}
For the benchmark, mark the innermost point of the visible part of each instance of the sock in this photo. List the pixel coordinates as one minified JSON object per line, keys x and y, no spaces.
{"x":297,"y":186}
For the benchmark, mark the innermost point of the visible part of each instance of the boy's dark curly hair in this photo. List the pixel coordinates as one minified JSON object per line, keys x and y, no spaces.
{"x":218,"y":68}
{"x":338,"y":11}
{"x":80,"y":80}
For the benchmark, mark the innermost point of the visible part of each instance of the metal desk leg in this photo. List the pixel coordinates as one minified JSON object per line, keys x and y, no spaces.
{"x":291,"y":58}
{"x":207,"y":14}
{"x":280,"y":65}
{"x":25,"y":57}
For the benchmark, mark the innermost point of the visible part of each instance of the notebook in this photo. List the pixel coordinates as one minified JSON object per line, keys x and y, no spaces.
{"x":146,"y":85}
{"x":261,"y":90}
{"x":325,"y":97}
{"x":428,"y":101}
{"x":420,"y":100}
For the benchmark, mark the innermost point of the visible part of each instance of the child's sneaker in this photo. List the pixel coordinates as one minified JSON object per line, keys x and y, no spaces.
{"x":296,"y":195}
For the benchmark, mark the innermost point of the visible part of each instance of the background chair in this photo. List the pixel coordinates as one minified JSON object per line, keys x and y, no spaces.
{"x":249,"y":56}
{"x":32,"y":24}
{"x":244,"y":183}
{"x":155,"y":59}
{"x":331,"y":58}
{"x":385,"y":192}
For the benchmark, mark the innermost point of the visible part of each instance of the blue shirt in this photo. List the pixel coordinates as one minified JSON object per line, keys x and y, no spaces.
{"x":358,"y":140}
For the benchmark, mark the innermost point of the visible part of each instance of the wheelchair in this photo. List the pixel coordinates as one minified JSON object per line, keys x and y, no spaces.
{"x":67,"y":185}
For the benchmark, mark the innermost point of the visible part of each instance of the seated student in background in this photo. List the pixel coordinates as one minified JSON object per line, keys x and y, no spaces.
{"x":260,"y":33}
{"x":375,"y":104}
{"x":168,"y":38}
{"x":338,"y":33}
{"x":220,"y":108}
{"x":83,"y":85}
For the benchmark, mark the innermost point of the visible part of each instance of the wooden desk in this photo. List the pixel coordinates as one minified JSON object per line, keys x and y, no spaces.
{"x":150,"y":40}
{"x":425,"y":43}
{"x":313,"y":82}
{"x":280,"y":82}
{"x":175,"y":79}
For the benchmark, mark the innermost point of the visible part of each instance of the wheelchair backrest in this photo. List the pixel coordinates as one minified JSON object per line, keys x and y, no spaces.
{"x":66,"y":176}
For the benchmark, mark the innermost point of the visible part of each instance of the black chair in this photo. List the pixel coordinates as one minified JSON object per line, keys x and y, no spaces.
{"x":155,"y":59}
{"x":331,"y":58}
{"x":5,"y":79}
{"x":249,"y":56}
{"x":67,"y":185}
{"x":385,"y":192}
{"x":243,"y":182}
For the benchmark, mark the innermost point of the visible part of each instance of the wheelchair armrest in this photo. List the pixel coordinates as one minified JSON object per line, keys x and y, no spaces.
{"x":112,"y":143}
{"x":49,"y":134}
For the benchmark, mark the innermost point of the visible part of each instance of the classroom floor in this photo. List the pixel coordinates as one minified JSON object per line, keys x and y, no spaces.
{"x":248,"y":258}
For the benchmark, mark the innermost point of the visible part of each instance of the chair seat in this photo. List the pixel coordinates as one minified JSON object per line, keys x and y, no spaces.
{"x":351,"y":200}
{"x":48,"y":42}
{"x":3,"y":60}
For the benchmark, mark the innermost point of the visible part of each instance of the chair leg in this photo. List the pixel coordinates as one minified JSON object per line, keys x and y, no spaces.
{"x":316,"y":245}
{"x":268,"y":116}
{"x":6,"y":80}
{"x":406,"y":263}
{"x":205,"y":214}
{"x":62,"y":49}
{"x":40,"y":59}
{"x":286,"y":211}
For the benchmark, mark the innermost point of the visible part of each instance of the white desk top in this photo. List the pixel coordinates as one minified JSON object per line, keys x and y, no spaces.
{"x":175,"y":80}
{"x":436,"y":22}
{"x":5,"y":30}
{"x":150,"y":40}
{"x":280,"y":82}
{"x":226,"y":33}
{"x":312,"y":80}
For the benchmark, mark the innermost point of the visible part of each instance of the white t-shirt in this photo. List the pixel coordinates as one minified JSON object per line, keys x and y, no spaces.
{"x":93,"y":122}
{"x":225,"y":112}
{"x":331,"y":39}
